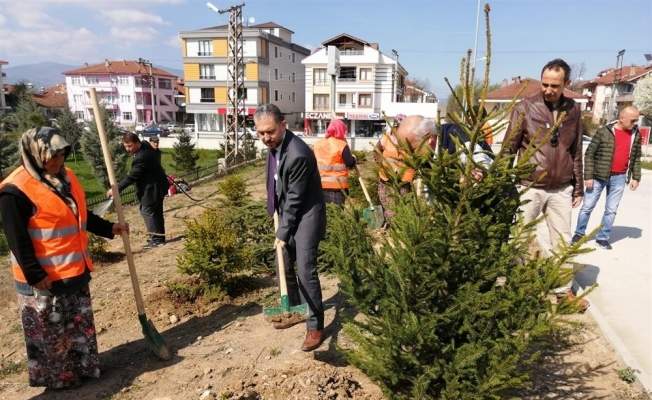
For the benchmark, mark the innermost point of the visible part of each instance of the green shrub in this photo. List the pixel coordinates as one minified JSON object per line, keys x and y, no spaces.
{"x":360,"y":155}
{"x":98,"y":246}
{"x":234,"y":188}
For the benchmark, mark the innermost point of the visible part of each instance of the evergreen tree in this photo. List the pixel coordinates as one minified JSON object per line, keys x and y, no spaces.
{"x":184,"y":157}
{"x":70,"y":129}
{"x":453,"y":303}
{"x":92,"y":149}
{"x":27,"y":115}
{"x":9,"y":156}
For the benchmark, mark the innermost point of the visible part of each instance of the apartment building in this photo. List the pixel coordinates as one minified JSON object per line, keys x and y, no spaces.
{"x":272,"y":68}
{"x":369,"y":83}
{"x":129,"y":90}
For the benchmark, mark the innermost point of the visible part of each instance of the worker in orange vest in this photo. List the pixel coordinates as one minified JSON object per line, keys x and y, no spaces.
{"x":415,"y":131}
{"x":334,"y":159}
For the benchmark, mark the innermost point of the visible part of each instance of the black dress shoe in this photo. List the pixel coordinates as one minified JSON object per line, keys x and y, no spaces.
{"x":152,"y":245}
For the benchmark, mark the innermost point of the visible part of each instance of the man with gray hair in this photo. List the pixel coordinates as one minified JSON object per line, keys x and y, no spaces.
{"x":421,"y":134}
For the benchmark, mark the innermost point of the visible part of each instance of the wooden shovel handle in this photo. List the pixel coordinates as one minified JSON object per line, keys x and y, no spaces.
{"x":281,"y":261}
{"x":364,"y":188}
{"x":117,"y":202}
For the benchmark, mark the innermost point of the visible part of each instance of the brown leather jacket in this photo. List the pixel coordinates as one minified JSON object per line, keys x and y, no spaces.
{"x":563,"y":163}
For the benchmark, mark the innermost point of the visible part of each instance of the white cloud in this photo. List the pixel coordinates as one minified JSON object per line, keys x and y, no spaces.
{"x":3,"y":20}
{"x":132,"y":17}
{"x":174,"y":41}
{"x":72,"y":45}
{"x":141,"y":34}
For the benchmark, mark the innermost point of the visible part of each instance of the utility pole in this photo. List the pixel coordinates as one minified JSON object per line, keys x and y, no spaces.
{"x":236,"y":134}
{"x":148,"y":64}
{"x":612,"y":100}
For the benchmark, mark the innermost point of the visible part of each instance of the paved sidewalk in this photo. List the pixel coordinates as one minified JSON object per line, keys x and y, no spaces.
{"x":622,"y":302}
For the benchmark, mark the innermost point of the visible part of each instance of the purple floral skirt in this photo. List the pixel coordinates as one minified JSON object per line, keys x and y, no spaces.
{"x":60,"y":339}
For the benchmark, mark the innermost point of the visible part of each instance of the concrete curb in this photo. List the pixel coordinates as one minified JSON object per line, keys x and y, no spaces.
{"x":624,"y":356}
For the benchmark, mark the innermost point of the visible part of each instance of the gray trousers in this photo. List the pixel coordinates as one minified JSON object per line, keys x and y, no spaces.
{"x":153,"y":216}
{"x":303,"y":282}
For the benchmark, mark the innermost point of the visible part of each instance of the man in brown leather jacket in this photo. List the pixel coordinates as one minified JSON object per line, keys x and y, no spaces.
{"x":559,"y":186}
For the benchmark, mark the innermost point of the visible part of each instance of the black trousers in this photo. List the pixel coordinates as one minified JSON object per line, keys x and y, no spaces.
{"x":153,"y":216}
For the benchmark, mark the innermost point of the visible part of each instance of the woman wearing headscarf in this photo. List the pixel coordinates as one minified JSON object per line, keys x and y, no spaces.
{"x":45,"y":220}
{"x":334,"y":159}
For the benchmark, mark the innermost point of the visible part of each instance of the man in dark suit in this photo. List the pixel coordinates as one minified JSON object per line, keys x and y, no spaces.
{"x":294,"y":190}
{"x":151,"y":184}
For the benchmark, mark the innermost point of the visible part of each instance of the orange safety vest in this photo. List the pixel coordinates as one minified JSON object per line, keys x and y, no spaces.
{"x":334,"y":173}
{"x":59,"y":238}
{"x":393,"y":159}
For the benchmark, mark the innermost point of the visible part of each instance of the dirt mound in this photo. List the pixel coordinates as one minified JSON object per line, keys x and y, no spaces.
{"x":316,"y":381}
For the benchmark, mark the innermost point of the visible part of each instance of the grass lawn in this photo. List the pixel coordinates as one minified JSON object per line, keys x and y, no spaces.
{"x":92,"y":188}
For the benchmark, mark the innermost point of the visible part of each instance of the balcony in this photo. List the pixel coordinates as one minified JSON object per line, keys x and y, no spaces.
{"x":347,"y":80}
{"x":321,"y":107}
{"x":206,"y":77}
{"x":322,"y":82}
{"x":347,"y":105}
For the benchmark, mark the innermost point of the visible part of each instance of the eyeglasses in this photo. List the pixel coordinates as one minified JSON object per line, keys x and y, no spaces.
{"x":633,"y":121}
{"x":554,"y":138}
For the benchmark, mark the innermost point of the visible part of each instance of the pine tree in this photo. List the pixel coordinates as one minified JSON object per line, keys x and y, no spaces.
{"x":92,"y":149}
{"x":452,"y":302}
{"x":184,"y":157}
{"x":27,"y":115}
{"x":8,"y":152}
{"x":70,"y":129}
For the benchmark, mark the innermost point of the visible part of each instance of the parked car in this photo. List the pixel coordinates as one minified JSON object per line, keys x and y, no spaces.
{"x":155,"y":131}
{"x":189,"y":128}
{"x":171,"y":126}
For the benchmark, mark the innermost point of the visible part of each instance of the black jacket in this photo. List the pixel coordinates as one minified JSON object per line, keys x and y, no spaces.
{"x":147,"y":176}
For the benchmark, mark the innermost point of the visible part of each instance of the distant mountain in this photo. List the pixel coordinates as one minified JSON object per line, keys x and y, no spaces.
{"x":44,"y":74}
{"x":48,"y":74}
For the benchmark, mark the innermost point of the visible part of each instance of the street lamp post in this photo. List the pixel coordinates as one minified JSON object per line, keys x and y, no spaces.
{"x":477,"y":26}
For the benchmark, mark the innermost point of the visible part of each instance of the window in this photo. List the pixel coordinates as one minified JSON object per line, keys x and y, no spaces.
{"x":294,"y":97}
{"x":342,"y":98}
{"x":79,"y":114}
{"x":123,"y":80}
{"x":365,"y":74}
{"x":205,"y":48}
{"x":110,"y":115}
{"x":125,"y":98}
{"x":77,"y":98}
{"x":319,"y":77}
{"x":364,"y":100}
{"x":110,"y":99}
{"x":165,"y":84}
{"x":320,"y":102}
{"x":347,"y":74}
{"x":293,"y":77}
{"x":276,"y":95}
{"x":207,"y":71}
{"x":293,"y":59}
{"x":76,"y":80}
{"x":127,"y":116}
{"x":242,"y":93}
{"x":275,"y":52}
{"x":92,"y":80}
{"x":207,"y":95}
{"x":275,"y":74}
{"x":280,"y":54}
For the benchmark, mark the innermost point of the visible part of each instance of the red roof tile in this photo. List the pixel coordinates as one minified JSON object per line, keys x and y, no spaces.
{"x":118,"y":67}
{"x":3,"y":62}
{"x":54,"y":97}
{"x":533,"y":87}
{"x":345,"y":36}
{"x":625,"y":74}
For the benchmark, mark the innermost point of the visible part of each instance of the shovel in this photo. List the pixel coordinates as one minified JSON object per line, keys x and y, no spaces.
{"x":374,"y":214}
{"x":285,"y":313}
{"x":152,"y":337}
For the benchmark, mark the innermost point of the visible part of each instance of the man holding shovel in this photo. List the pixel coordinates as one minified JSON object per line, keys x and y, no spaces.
{"x":295,"y":194}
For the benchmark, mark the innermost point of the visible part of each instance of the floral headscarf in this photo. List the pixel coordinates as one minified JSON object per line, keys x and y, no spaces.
{"x":37,"y":147}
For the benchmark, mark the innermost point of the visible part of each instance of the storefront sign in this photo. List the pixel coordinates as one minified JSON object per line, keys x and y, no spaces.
{"x":360,"y":116}
{"x":318,"y":115}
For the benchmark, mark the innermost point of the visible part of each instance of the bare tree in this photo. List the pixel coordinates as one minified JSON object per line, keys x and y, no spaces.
{"x":578,"y":76}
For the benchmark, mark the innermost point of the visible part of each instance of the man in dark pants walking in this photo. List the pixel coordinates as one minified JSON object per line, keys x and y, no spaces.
{"x":151,"y":184}
{"x":295,"y":192}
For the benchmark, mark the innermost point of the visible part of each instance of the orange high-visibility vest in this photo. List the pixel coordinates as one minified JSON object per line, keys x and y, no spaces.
{"x":59,"y":238}
{"x":393,"y":159}
{"x":334,"y":173}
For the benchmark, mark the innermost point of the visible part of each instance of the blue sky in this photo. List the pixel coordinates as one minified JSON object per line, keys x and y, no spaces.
{"x":430,"y":36}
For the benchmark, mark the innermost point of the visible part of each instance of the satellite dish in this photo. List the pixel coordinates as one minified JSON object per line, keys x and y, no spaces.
{"x":251,"y":20}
